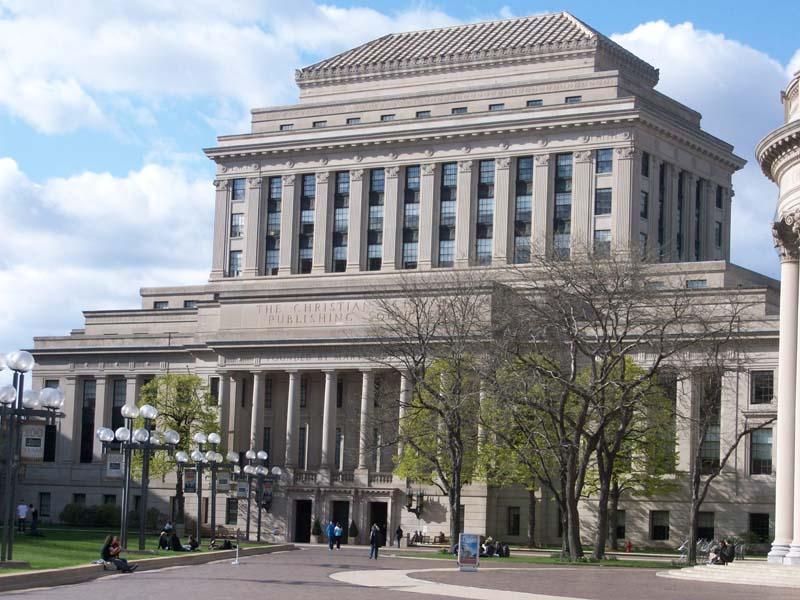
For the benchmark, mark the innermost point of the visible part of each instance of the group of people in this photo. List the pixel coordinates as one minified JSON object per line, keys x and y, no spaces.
{"x":723,"y":554}
{"x":25,"y":512}
{"x":334,"y":533}
{"x":169,"y":540}
{"x":491,"y":548}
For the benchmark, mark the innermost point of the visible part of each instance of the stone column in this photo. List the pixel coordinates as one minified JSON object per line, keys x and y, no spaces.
{"x":224,"y":408}
{"x":102,"y":415}
{"x":787,"y":380}
{"x":292,"y":418}
{"x":367,"y":379}
{"x":131,"y":389}
{"x":357,"y":224}
{"x":221,"y":214}
{"x":405,"y":399}
{"x":623,"y":217}
{"x":257,"y":412}
{"x":542,"y":209}
{"x":503,"y":248}
{"x":392,"y":205}
{"x":254,"y":215}
{"x":289,"y":212}
{"x":581,"y":236}
{"x":427,"y":206}
{"x":328,"y":453}
{"x":464,"y":214}
{"x":322,"y":223}
{"x":673,"y":189}
{"x":727,"y":206}
{"x":68,"y":440}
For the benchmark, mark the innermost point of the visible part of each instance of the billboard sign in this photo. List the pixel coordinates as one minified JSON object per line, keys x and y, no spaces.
{"x":469,"y":548}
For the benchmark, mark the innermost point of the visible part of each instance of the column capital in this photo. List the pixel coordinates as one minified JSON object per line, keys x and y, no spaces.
{"x":625,"y":152}
{"x":428,"y":169}
{"x":465,"y":166}
{"x":356,"y":174}
{"x":583,"y":156}
{"x":786,"y":236}
{"x":541,"y":160}
{"x":329,"y":371}
{"x":288,"y":180}
{"x":502,"y":162}
{"x":222,"y":184}
{"x":254,"y":182}
{"x":322,"y":176}
{"x":392,"y":172}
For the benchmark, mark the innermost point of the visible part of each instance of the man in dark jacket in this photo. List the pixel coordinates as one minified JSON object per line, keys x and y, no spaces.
{"x":374,"y":541}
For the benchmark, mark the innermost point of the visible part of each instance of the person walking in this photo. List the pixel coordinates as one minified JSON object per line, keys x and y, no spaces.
{"x":337,"y":534}
{"x":398,"y":535}
{"x":374,"y":541}
{"x":34,"y":514}
{"x":330,"y":531}
{"x":22,"y":516}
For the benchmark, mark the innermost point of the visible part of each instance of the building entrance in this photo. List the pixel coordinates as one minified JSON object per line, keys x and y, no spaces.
{"x":378,"y":512}
{"x":302,"y":521}
{"x":341,"y":515}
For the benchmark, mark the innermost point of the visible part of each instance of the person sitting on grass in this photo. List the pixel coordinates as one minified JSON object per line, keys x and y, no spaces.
{"x":175,"y":542}
{"x":110,"y":553}
{"x":192,"y":545}
{"x":163,"y":541}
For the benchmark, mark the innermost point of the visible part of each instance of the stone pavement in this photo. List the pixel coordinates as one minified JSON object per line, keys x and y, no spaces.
{"x":315,"y":573}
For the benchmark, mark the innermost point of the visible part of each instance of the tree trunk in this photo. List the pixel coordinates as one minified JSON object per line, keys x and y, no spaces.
{"x":601,"y":533}
{"x":695,"y":508}
{"x":573,"y":516}
{"x":613,"y":516}
{"x":531,"y":517}
{"x":455,"y":514}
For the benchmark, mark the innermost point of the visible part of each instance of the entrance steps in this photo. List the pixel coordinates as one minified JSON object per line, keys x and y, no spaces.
{"x":741,"y":573}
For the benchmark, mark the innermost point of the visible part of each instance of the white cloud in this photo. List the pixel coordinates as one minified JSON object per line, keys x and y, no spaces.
{"x":736,"y":88}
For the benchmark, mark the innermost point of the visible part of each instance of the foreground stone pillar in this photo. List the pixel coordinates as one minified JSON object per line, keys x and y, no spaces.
{"x":292,"y":417}
{"x":363,"y":434}
{"x":328,"y":425}
{"x":257,"y":412}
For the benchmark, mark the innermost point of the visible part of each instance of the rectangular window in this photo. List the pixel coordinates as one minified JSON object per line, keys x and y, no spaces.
{"x":110,"y":499}
{"x":602,"y":242}
{"x":337,"y":450}
{"x":160,"y":305}
{"x":389,"y":117}
{"x":87,"y":420}
{"x":268,"y":393}
{"x":411,"y":218}
{"x":303,"y":392}
{"x":484,"y":227}
{"x":572,"y":99}
{"x":286,"y":126}
{"x":377,"y":184}
{"x":705,"y":525}
{"x":696,"y":284}
{"x":339,"y":392}
{"x":621,"y":525}
{"x":50,"y":431}
{"x":44,"y":504}
{"x":319,"y":124}
{"x":447,"y":215}
{"x":237,"y":189}
{"x":190,"y":304}
{"x":498,"y":106}
{"x":301,"y":448}
{"x":458,"y":110}
{"x":533,"y":103}
{"x":353,"y":120}
{"x":562,"y":218}
{"x":79,"y":498}
{"x":761,"y":452}
{"x":698,"y":211}
{"x":523,"y":210}
{"x":308,"y":190}
{"x":761,"y":387}
{"x":718,"y":234}
{"x":234,"y":263}
{"x":213,"y":391}
{"x":759,"y":527}
{"x":237,"y":225}
{"x":644,"y":205}
{"x":659,"y":525}
{"x":605,"y":160}
{"x":718,"y":200}
{"x":231,"y":511}
{"x":268,"y":443}
{"x":273,"y":248}
{"x":512,"y":520}
{"x":602,"y":201}
{"x":645,"y":164}
{"x":710,"y":408}
{"x":341,"y":217}
{"x":423,"y":114}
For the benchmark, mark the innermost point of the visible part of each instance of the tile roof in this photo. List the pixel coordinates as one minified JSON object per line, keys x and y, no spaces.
{"x":461,"y":44}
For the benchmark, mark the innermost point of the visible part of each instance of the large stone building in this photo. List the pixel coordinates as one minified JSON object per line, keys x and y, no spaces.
{"x":468,"y":147}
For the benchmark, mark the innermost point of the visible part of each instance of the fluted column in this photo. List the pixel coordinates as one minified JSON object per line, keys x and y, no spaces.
{"x":289,"y":214}
{"x":131,"y":389}
{"x":542,"y":209}
{"x":405,"y":399}
{"x":327,"y":453}
{"x":257,"y":412}
{"x":582,"y":212}
{"x":224,"y":408}
{"x":367,"y":379}
{"x":787,"y":381}
{"x":357,"y":224}
{"x":503,"y":212}
{"x":622,"y":206}
{"x":391,"y":217}
{"x":221,"y":214}
{"x":292,"y":418}
{"x":253,"y":217}
{"x":427,"y":200}
{"x":102,"y":415}
{"x":727,"y":200}
{"x":322,"y":223}
{"x":69,"y":437}
{"x":464,"y":214}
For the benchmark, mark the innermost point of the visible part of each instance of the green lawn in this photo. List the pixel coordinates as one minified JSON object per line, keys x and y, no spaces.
{"x":546,"y":560}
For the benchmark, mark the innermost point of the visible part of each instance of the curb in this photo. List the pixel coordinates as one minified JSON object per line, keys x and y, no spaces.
{"x":71,"y":575}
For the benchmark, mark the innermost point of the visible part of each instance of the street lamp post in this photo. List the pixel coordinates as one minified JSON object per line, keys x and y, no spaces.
{"x":17,"y":406}
{"x":145,"y":440}
{"x":252,"y":469}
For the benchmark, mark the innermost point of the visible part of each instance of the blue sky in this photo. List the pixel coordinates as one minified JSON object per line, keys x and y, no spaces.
{"x":105,"y":109}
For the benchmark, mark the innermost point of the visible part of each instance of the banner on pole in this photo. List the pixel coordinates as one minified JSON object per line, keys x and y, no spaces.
{"x":468,"y":551}
{"x":223,"y":482}
{"x":114,"y":464}
{"x":242,"y":488}
{"x":32,"y":442}
{"x":189,"y":481}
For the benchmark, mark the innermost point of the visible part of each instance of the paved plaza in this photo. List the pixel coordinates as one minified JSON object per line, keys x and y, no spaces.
{"x":312,"y":573}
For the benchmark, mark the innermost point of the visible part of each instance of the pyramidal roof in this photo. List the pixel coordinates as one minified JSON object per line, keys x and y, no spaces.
{"x":472,"y":43}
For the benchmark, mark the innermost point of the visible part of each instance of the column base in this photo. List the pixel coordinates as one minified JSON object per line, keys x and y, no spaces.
{"x":793,"y":556}
{"x":778,"y":553}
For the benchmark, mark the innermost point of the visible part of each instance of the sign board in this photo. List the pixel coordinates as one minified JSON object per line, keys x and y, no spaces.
{"x":189,"y":481}
{"x":223,"y":482}
{"x":242,"y":489}
{"x":114,"y":465}
{"x":469,"y":548}
{"x":32,"y":442}
{"x":266,"y":492}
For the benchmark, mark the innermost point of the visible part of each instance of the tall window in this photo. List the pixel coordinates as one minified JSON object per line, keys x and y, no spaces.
{"x":50,"y":431}
{"x":484,"y":228}
{"x":375,"y":220}
{"x":512,"y":520}
{"x":341,"y":211}
{"x":718,"y":199}
{"x":237,"y":189}
{"x":303,"y":392}
{"x":523,"y":210}
{"x":659,"y":525}
{"x":44,"y":504}
{"x":118,"y":390}
{"x":642,"y":245}
{"x":301,"y":448}
{"x":235,"y":263}
{"x":711,"y":404}
{"x":718,"y":234}
{"x":87,"y":419}
{"x":644,"y":205}
{"x":602,"y":242}
{"x":268,"y":393}
{"x":562,"y":219}
{"x":308,"y":191}
{"x":645,"y":164}
{"x":447,"y":215}
{"x":761,"y":452}
{"x":698,"y":211}
{"x":268,"y":443}
{"x":662,"y":190}
{"x":411,"y":218}
{"x":274,"y":191}
{"x":605,"y":160}
{"x":231,"y":511}
{"x":339,"y":392}
{"x":679,"y":235}
{"x":759,"y":527}
{"x":761,"y":387}
{"x":602,"y":201}
{"x":237,"y":225}
{"x":705,"y":525}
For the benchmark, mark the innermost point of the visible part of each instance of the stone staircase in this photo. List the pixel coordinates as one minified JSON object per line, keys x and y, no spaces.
{"x":741,"y":573}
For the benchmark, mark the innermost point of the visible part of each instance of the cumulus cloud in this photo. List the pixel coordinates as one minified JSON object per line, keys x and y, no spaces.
{"x":736,"y":88}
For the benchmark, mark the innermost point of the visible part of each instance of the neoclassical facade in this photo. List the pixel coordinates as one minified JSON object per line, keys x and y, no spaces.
{"x":779,"y":155}
{"x":469,"y":147}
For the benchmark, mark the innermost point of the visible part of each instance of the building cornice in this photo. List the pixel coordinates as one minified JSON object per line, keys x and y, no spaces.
{"x":779,"y":149}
